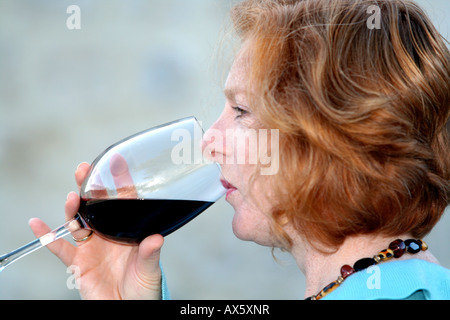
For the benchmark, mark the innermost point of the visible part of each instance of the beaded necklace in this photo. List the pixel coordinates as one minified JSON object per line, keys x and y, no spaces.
{"x":395,"y":250}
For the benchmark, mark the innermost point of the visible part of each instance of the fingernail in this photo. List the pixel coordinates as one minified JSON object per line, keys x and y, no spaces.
{"x":82,"y":164}
{"x":70,"y":194}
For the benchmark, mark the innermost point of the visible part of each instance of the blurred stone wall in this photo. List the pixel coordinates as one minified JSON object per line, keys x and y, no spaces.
{"x":67,"y":94}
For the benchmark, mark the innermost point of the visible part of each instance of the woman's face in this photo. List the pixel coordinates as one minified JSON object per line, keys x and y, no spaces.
{"x":230,"y":140}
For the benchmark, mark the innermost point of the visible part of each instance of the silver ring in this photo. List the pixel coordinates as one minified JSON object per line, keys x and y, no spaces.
{"x":83,"y":239}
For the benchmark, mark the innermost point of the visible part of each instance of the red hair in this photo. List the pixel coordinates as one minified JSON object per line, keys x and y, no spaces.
{"x":363,"y":114}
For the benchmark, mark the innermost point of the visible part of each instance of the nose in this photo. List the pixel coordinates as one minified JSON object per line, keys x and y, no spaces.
{"x":206,"y":146}
{"x":213,"y":142}
{"x":209,"y":144}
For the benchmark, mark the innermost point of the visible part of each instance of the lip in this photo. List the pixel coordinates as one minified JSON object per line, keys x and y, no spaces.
{"x":230,"y":188}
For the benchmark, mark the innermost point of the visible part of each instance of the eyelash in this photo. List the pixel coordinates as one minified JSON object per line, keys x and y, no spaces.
{"x":240,"y":111}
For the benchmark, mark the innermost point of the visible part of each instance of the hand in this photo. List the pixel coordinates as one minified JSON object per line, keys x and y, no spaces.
{"x":108,"y":270}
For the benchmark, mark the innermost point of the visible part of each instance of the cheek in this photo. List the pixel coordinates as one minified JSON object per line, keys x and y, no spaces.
{"x":250,"y":223}
{"x":242,"y":146}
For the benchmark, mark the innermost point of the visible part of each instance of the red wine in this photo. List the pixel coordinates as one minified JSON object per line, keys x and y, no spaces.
{"x":132,"y":220}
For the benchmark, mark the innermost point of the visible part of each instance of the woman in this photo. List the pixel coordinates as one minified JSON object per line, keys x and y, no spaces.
{"x":360,"y":92}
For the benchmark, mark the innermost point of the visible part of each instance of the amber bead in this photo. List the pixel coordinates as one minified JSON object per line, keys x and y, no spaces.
{"x":413,"y":246}
{"x":424,"y":245}
{"x":363,"y":263}
{"x":385,"y":254}
{"x":329,"y":288}
{"x":346,"y":270}
{"x":399,"y":247}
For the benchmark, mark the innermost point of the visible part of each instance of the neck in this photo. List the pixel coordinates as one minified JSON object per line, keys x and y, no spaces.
{"x":322,"y":268}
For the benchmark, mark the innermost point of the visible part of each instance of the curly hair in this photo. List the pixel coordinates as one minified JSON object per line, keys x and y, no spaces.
{"x":362,"y":113}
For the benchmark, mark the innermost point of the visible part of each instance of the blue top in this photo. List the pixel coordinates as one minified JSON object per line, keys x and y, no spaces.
{"x":412,"y":279}
{"x":165,"y":294}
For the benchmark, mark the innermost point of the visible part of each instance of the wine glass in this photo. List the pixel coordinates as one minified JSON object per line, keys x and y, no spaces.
{"x":152,"y":182}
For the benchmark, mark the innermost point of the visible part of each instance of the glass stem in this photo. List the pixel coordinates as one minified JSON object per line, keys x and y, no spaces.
{"x":72,"y":225}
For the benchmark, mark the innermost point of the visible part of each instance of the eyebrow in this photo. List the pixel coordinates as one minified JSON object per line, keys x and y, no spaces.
{"x":231,"y":93}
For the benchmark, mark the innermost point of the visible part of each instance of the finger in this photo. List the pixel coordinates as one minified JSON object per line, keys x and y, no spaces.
{"x":81,"y":173}
{"x":122,"y":177}
{"x":61,"y":248}
{"x":95,"y":188}
{"x":71,"y":208}
{"x":147,"y":265}
{"x":72,"y":205}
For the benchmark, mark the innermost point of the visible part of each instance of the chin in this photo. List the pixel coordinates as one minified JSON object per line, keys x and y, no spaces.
{"x":255,"y":230}
{"x":240,"y":231}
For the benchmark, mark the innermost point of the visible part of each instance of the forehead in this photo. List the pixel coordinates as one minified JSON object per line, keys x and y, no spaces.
{"x":236,"y":81}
